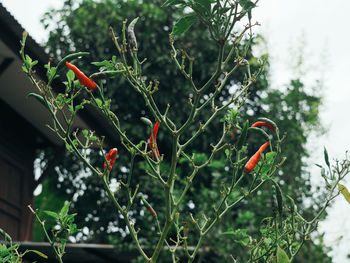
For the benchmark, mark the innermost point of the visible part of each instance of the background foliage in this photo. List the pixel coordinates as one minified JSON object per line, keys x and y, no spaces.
{"x":83,"y":26}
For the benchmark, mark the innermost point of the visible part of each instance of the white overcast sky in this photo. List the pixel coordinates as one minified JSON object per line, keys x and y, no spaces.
{"x":324,"y":27}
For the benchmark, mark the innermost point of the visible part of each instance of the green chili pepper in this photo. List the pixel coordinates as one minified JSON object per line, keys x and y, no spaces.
{"x":273,"y":124}
{"x":38,"y":98}
{"x":70,"y":57}
{"x":278,"y":197}
{"x":326,"y":158}
{"x":105,"y":74}
{"x":261,"y":131}
{"x":243,"y":136}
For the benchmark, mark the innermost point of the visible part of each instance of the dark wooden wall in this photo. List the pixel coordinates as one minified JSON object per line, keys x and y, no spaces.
{"x":17,"y":153}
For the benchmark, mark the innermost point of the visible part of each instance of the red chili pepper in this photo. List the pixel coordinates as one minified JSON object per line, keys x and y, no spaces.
{"x":153,"y":135}
{"x":83,"y":80}
{"x":250,"y":165}
{"x":111,"y":156}
{"x":265,"y":124}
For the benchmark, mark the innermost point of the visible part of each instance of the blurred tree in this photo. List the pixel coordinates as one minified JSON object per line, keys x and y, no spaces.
{"x":83,"y":26}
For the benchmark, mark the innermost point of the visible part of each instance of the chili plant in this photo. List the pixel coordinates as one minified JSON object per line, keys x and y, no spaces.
{"x":229,"y":24}
{"x":9,"y":250}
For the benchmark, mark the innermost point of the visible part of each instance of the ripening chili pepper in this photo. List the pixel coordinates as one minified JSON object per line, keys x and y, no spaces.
{"x":83,"y":79}
{"x":111,"y":156}
{"x":151,"y":211}
{"x":250,"y":165}
{"x":153,"y":135}
{"x":265,"y":124}
{"x":148,"y":206}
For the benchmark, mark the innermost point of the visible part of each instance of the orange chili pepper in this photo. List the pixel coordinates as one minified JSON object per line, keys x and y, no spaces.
{"x":265,"y":124}
{"x":83,"y":79}
{"x":153,"y":135}
{"x":250,"y":165}
{"x":111,"y":156}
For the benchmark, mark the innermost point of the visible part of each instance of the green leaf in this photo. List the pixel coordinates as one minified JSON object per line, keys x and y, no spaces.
{"x":70,"y":76}
{"x":3,"y":249}
{"x":202,"y":6}
{"x":79,"y":107}
{"x":70,"y":218}
{"x":246,"y":4}
{"x":28,"y":60}
{"x":52,"y":214}
{"x":51,"y":73}
{"x":282,"y":256}
{"x":172,"y":2}
{"x":71,"y":109}
{"x":344,"y":192}
{"x":240,"y":236}
{"x":267,"y":163}
{"x":98,"y":102}
{"x":85,"y":132}
{"x":183,"y":24}
{"x":183,"y":160}
{"x":64,"y":210}
{"x":24,"y":68}
{"x":93,"y":138}
{"x":229,"y":232}
{"x":217,"y":164}
{"x":200,"y":158}
{"x":34,"y":63}
{"x":37,"y":252}
{"x":69,"y":148}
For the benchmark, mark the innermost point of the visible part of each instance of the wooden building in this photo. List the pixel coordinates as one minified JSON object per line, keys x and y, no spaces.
{"x":22,"y":128}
